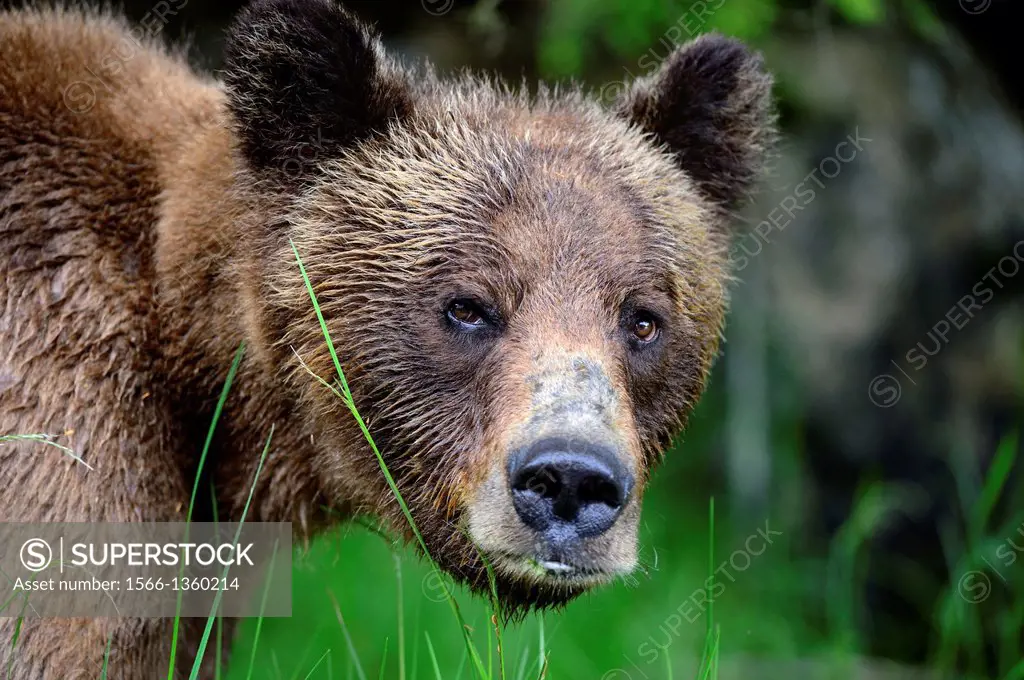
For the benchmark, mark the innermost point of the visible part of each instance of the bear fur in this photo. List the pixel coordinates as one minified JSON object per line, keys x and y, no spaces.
{"x":147,"y":216}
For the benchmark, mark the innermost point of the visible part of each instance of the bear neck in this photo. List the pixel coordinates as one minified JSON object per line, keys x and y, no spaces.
{"x":208,"y":287}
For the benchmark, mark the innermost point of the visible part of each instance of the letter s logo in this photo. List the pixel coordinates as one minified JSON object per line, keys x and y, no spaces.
{"x":36,"y":554}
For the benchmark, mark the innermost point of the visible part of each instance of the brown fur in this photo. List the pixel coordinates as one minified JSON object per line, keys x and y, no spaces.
{"x":147,"y":235}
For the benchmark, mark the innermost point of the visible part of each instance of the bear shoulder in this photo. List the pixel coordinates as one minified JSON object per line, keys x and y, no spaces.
{"x":87,"y":74}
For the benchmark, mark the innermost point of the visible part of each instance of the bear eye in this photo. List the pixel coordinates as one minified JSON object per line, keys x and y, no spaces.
{"x":644,"y":328}
{"x":466,"y":314}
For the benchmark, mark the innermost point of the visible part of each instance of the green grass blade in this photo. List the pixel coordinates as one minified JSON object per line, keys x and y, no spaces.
{"x":707,"y":658}
{"x":462,"y":664}
{"x":523,"y":664}
{"x":218,"y":652}
{"x":259,"y":621}
{"x":383,"y":661}
{"x":401,"y":617}
{"x":995,"y":481}
{"x":433,"y":657}
{"x":232,"y":372}
{"x":353,"y":655}
{"x":346,"y":395}
{"x":323,"y":324}
{"x":195,"y":490}
{"x":216,"y":600}
{"x":14,"y":641}
{"x":715,"y":653}
{"x":106,"y":657}
{"x":709,"y":626}
{"x":417,"y":618}
{"x":496,"y":618}
{"x":8,"y":601}
{"x":17,"y":636}
{"x":542,"y":656}
{"x":317,"y":664}
{"x":306,"y":651}
{"x":1016,"y":673}
{"x":15,"y":594}
{"x":45,"y":439}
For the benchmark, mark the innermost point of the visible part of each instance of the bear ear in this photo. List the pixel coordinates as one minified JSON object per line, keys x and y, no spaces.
{"x":305,"y":80}
{"x":710,"y":104}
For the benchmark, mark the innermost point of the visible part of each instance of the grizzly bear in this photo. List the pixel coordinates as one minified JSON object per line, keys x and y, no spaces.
{"x":524,"y":290}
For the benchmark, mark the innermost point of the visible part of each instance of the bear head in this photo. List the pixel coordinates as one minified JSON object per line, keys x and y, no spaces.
{"x":525,"y":290}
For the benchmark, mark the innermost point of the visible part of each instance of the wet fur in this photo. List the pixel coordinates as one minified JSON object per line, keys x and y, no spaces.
{"x":146,"y":237}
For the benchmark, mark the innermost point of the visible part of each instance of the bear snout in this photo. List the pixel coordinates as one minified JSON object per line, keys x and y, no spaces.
{"x":565,"y":489}
{"x":560,"y":503}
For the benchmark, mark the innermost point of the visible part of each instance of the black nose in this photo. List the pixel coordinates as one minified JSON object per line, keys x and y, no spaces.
{"x":567,"y":489}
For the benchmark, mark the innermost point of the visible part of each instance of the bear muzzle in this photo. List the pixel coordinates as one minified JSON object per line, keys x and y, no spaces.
{"x":561,"y":506}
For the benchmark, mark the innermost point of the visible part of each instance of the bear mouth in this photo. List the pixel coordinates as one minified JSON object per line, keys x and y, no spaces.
{"x":565,"y":573}
{"x":556,"y":567}
{"x":551,"y":570}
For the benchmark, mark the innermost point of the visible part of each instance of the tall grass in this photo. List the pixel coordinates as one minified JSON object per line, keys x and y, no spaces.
{"x":981,"y":626}
{"x":48,"y":440}
{"x":228,"y":382}
{"x":238,"y":532}
{"x":345,"y":394}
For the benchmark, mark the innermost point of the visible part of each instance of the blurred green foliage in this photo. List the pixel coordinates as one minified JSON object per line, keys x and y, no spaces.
{"x":860,"y":11}
{"x":621,"y":31}
{"x":576,"y":29}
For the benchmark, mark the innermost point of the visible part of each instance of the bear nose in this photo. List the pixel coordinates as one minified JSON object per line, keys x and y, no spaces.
{"x":568,"y":489}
